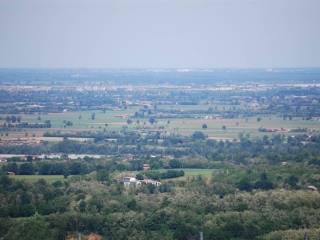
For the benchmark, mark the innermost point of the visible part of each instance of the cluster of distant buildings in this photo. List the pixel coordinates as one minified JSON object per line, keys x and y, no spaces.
{"x":23,"y":157}
{"x":133,"y":182}
{"x":273,"y":130}
{"x":296,"y":130}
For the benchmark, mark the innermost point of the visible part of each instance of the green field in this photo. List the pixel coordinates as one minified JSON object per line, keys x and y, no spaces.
{"x":193,"y":172}
{"x":234,"y":127}
{"x":196,"y":172}
{"x":82,"y":119}
{"x":116,"y":119}
{"x":188,"y":172}
{"x":34,"y":178}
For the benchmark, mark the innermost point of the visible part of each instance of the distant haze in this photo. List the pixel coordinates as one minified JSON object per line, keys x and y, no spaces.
{"x":159,"y":33}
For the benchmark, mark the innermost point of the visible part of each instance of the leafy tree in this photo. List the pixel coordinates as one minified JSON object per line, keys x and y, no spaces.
{"x":82,"y":206}
{"x":48,"y":123}
{"x":292,"y":181}
{"x":34,"y":228}
{"x":175,"y":163}
{"x":139,"y":176}
{"x":245,"y":185}
{"x":132,"y":204}
{"x":12,"y":167}
{"x":76,"y":168}
{"x":197,"y":135}
{"x":150,"y":188}
{"x":264,"y":182}
{"x":152,"y":120}
{"x":26,"y":169}
{"x":103,"y":176}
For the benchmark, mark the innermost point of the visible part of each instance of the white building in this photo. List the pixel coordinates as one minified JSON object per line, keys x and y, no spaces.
{"x":132,"y":181}
{"x":150,"y":181}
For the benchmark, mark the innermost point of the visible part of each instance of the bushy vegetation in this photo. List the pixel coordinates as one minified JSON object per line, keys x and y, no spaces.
{"x":239,"y":164}
{"x":177,"y":210}
{"x":164,"y":175}
{"x":260,"y":193}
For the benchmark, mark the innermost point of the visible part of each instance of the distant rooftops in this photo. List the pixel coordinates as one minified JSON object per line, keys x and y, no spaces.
{"x":132,"y":181}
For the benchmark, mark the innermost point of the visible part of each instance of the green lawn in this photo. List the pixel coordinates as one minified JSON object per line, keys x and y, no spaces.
{"x":34,"y":178}
{"x":197,"y":172}
{"x":192,"y":172}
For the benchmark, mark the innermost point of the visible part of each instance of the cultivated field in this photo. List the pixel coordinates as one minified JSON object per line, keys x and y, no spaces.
{"x":117,"y":119}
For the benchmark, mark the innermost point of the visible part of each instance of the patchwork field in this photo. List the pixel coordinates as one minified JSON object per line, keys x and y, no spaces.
{"x":217,"y":128}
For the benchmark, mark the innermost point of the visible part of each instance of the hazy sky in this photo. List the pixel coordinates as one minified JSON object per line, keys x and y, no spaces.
{"x":159,"y":33}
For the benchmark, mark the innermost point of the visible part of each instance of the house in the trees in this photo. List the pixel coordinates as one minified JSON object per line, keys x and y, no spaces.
{"x":130,"y":181}
{"x":150,"y":181}
{"x":146,"y":167}
{"x":312,"y":188}
{"x":133,"y":182}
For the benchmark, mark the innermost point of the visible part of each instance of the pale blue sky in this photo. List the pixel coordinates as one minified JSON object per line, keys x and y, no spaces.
{"x":159,"y":33}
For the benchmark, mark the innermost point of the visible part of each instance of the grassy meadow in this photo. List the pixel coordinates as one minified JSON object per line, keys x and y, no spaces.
{"x":116,"y":119}
{"x":34,"y":178}
{"x":194,"y":172}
